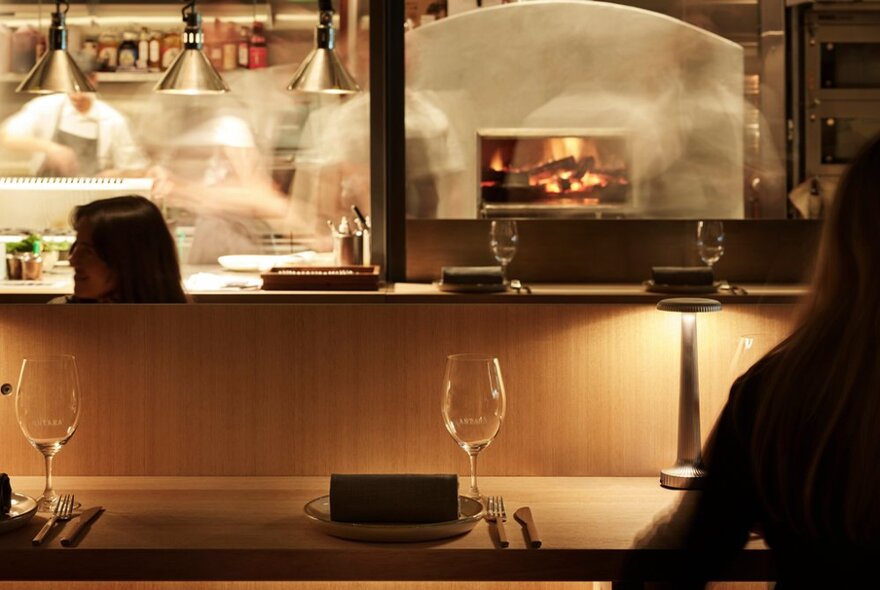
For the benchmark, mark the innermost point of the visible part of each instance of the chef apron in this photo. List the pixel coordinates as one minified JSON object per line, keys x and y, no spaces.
{"x":85,"y":149}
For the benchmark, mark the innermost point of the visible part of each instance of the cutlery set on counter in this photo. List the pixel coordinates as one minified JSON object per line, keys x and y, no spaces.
{"x":496,"y":514}
{"x":62,"y":513}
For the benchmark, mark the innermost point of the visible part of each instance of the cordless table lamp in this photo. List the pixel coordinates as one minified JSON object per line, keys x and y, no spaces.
{"x":688,"y":471}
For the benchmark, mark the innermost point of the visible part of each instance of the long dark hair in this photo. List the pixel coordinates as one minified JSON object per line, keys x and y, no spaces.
{"x":131,"y":237}
{"x":815,"y":445}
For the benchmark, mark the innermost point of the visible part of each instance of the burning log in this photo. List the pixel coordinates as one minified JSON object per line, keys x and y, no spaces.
{"x":550,"y":169}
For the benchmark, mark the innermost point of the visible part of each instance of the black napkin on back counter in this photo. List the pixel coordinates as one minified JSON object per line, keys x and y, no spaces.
{"x":393,"y":498}
{"x":472,"y":275}
{"x":683,"y":275}
{"x":5,"y":494}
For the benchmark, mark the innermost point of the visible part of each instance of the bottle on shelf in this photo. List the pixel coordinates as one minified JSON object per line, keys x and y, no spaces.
{"x":108,"y":48}
{"x":244,"y":44}
{"x":5,"y":49}
{"x":127,"y":55}
{"x":143,"y":50}
{"x":258,"y":53}
{"x":154,"y":57}
{"x":214,"y":43}
{"x":41,"y":47}
{"x":230,"y":47}
{"x":24,"y":49}
{"x":171,"y":46}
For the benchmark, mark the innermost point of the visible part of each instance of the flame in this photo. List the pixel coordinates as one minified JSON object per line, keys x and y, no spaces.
{"x":497,"y":163}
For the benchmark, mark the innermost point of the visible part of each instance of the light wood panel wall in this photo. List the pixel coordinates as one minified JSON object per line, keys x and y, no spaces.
{"x":315,"y":389}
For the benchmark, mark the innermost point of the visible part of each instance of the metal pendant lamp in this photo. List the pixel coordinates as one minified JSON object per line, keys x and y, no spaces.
{"x":192,"y":71}
{"x":56,"y":71}
{"x":322,"y":71}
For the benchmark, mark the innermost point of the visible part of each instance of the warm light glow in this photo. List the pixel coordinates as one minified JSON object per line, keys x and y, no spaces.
{"x":497,"y":163}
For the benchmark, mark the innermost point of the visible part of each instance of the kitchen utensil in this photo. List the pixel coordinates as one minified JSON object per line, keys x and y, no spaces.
{"x":524,"y":517}
{"x":518,"y":286}
{"x":82,"y":523}
{"x":497,"y":514}
{"x":470,"y":513}
{"x":63,"y":511}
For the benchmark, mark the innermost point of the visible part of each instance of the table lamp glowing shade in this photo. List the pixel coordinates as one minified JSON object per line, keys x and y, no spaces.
{"x":688,"y":472}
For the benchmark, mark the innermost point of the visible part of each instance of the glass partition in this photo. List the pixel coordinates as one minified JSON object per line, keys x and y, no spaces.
{"x":257,"y":171}
{"x":589,"y":110}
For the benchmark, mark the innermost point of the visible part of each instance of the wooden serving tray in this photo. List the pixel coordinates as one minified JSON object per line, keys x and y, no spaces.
{"x":322,"y":278}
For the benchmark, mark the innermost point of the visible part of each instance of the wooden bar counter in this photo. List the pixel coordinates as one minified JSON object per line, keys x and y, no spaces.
{"x":197,"y":528}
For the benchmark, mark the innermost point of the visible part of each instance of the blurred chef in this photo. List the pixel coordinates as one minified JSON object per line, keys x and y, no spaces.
{"x":74,"y":134}
{"x":216,"y":173}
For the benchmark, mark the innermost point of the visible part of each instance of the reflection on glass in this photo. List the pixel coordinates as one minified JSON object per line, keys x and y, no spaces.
{"x":710,"y":241}
{"x":750,"y":348}
{"x":503,"y":239}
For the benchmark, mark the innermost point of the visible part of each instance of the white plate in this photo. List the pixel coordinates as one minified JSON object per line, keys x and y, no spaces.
{"x":470,"y":513}
{"x":261,"y":263}
{"x":23,"y":509}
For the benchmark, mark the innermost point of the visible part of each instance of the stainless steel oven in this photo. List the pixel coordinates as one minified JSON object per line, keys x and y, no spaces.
{"x":841,"y":85}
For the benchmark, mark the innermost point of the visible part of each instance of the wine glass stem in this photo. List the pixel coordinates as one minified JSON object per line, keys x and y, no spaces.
{"x":504,"y":272}
{"x":475,"y":493}
{"x":49,"y":493}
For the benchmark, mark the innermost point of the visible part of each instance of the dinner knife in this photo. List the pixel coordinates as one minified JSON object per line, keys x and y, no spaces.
{"x":524,"y":517}
{"x":81,"y":525}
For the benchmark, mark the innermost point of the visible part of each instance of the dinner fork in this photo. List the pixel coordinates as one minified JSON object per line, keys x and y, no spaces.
{"x":63,"y":512}
{"x":496,"y":513}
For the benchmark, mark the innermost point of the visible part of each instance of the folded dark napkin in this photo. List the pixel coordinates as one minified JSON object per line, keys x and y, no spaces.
{"x":404,"y":498}
{"x":472,"y":275}
{"x":682,"y":275}
{"x":5,"y":494}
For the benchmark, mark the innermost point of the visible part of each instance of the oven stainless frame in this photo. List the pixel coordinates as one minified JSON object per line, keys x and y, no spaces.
{"x":560,"y":211}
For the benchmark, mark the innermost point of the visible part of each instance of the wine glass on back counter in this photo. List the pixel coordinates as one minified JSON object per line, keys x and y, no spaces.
{"x":503,"y":238}
{"x":473,"y":405}
{"x":47,"y":405}
{"x":710,"y":241}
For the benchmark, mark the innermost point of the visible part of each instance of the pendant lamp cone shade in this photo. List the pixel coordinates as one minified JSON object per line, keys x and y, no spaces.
{"x":322,"y":71}
{"x":55,"y":72}
{"x":191,"y":73}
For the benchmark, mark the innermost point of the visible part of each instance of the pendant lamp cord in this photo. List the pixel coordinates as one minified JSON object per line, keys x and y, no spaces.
{"x":191,"y":6}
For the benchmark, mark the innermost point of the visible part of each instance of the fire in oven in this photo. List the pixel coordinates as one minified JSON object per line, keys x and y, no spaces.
{"x":541,"y":172}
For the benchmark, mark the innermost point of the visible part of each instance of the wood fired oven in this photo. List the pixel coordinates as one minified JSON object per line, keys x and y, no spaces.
{"x":555,"y":172}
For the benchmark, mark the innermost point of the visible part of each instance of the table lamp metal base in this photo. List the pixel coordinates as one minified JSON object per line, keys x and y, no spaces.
{"x":683,"y":477}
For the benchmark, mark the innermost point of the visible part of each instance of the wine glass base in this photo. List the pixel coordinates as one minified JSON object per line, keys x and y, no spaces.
{"x":45,"y":505}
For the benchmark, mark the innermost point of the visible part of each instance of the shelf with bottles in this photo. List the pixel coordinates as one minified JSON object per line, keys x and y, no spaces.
{"x":111,"y":77}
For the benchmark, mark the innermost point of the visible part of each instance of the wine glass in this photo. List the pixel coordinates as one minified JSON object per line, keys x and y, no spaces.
{"x":47,"y":405}
{"x":710,"y":241}
{"x":503,"y":238}
{"x":473,"y":405}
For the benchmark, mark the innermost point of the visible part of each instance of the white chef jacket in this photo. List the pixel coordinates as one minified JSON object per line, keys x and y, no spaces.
{"x":41,"y":116}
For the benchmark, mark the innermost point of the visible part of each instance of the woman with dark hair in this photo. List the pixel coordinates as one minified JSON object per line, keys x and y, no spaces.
{"x":124,"y":254}
{"x":796,"y":451}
